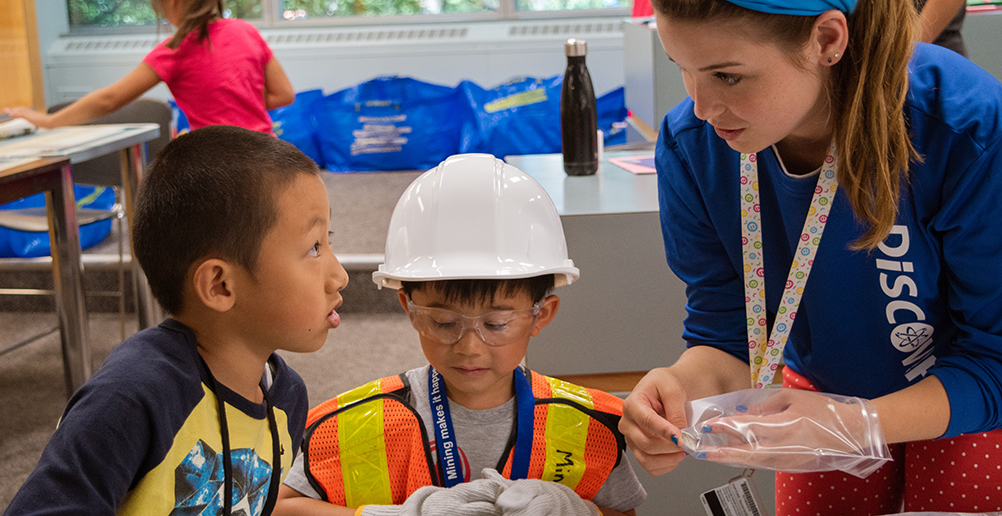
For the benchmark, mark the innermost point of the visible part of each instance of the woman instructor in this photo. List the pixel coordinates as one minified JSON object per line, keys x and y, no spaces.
{"x":831,"y":194}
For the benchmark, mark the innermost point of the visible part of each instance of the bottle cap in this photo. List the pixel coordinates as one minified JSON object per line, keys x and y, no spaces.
{"x":576,"y":47}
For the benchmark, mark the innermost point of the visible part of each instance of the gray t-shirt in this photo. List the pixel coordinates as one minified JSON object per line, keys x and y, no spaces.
{"x":481,"y":436}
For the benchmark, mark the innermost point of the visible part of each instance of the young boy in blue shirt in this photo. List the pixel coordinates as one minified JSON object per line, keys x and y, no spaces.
{"x":198,"y":415}
{"x":475,"y":247}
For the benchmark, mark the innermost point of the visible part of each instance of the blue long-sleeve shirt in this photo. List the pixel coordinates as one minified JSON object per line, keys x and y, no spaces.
{"x":928,"y":301}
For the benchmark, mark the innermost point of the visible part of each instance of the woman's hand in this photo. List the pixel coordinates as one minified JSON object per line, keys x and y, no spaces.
{"x":652,"y":416}
{"x":655,"y":410}
{"x":788,"y":430}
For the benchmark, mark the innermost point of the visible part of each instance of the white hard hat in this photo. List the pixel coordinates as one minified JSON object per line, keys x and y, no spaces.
{"x":474,"y":217}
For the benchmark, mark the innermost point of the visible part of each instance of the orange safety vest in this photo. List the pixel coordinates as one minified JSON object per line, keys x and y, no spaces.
{"x":369,"y":446}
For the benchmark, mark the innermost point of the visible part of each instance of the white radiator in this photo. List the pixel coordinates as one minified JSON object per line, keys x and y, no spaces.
{"x":333,"y":58}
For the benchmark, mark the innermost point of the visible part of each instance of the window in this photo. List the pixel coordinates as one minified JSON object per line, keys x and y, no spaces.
{"x":570,"y":5}
{"x":110,"y":13}
{"x":85,"y":14}
{"x":303,"y":9}
{"x":118,"y":13}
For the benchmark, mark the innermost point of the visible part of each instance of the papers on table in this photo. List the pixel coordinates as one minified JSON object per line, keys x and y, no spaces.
{"x":58,"y":142}
{"x":16,"y":127}
{"x":636,"y":164}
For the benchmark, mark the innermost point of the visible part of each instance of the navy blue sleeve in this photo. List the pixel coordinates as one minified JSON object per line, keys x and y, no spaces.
{"x":115,"y":428}
{"x":961,"y":206}
{"x":694,"y":235}
{"x":972,"y":252}
{"x":93,"y":457}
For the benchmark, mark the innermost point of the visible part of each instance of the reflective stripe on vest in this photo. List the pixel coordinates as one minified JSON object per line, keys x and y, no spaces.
{"x":350,"y":438}
{"x":360,"y":439}
{"x":566,"y":434}
{"x":577,"y":450}
{"x":390,"y":447}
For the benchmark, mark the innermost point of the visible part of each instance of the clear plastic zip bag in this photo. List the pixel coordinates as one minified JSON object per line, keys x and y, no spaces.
{"x":786,"y":430}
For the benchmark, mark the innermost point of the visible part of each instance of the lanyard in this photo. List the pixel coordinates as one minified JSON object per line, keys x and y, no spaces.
{"x":445,"y":437}
{"x":276,"y":451}
{"x":765,"y":353}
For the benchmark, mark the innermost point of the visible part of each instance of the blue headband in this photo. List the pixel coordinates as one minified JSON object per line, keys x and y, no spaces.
{"x":796,"y":7}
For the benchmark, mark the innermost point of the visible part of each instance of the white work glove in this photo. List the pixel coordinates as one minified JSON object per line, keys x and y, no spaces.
{"x":534,"y":497}
{"x":492,"y":495}
{"x":474,"y":498}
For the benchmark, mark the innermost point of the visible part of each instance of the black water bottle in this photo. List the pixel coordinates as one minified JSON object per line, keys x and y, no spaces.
{"x":578,"y":115}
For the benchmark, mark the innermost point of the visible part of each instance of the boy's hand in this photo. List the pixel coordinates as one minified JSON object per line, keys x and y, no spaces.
{"x":474,"y":498}
{"x":492,"y":495}
{"x":533,"y":496}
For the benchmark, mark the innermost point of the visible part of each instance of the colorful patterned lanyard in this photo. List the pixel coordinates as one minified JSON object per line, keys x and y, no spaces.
{"x":765,"y":354}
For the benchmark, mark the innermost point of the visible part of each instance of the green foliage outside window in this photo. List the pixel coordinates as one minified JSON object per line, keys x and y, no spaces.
{"x":110,"y":13}
{"x":561,"y":5}
{"x":295,"y":9}
{"x":117,"y":13}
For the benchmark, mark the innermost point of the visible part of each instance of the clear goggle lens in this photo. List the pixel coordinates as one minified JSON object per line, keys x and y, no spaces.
{"x":494,"y":328}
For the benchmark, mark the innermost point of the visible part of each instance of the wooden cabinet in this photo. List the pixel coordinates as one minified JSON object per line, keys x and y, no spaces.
{"x":20,"y":59}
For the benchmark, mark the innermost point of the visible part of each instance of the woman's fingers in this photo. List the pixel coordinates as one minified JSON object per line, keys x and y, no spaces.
{"x":651,"y":415}
{"x":646,"y":428}
{"x":660,"y":464}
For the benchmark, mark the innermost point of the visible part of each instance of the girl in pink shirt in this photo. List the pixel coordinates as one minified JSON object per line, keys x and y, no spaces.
{"x":219,"y":70}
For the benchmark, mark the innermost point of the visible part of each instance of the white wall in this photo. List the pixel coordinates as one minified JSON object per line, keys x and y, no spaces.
{"x":53,"y":20}
{"x":333,"y":58}
{"x":983,"y":36}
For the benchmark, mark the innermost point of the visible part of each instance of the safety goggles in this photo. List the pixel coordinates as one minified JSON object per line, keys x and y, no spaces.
{"x":498,"y":328}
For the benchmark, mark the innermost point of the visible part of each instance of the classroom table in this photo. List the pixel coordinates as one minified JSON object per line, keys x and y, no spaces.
{"x":77,"y":144}
{"x":27,"y":176}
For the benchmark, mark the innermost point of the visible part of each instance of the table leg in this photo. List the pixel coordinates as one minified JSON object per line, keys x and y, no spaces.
{"x":67,"y":271}
{"x":133,"y":162}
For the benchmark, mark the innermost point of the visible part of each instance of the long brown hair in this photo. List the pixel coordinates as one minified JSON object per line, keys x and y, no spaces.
{"x":197,"y":15}
{"x":867,"y":91}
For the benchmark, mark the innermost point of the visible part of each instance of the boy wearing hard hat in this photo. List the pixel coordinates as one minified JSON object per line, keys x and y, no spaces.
{"x":475,"y":246}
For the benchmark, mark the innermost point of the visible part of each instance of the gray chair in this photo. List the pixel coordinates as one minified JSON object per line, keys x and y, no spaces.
{"x":105,"y":170}
{"x":101,"y":171}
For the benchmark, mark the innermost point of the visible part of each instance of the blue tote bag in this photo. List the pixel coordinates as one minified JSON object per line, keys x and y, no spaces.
{"x":389,"y":123}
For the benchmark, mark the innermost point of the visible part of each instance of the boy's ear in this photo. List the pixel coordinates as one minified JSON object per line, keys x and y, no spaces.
{"x":210,"y":285}
{"x":546,"y":313}
{"x":403,"y":300}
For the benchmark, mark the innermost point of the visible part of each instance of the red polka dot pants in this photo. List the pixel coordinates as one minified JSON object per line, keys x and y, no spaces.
{"x":961,"y":474}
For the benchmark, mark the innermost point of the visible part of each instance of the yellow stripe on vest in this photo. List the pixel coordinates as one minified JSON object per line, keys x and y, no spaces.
{"x":363,"y":449}
{"x":566,"y":434}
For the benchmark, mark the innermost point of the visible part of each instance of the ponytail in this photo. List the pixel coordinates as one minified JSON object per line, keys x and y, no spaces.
{"x":197,"y":16}
{"x":868,"y":89}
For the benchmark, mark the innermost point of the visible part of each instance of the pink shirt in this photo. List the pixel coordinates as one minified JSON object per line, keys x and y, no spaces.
{"x":219,"y":80}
